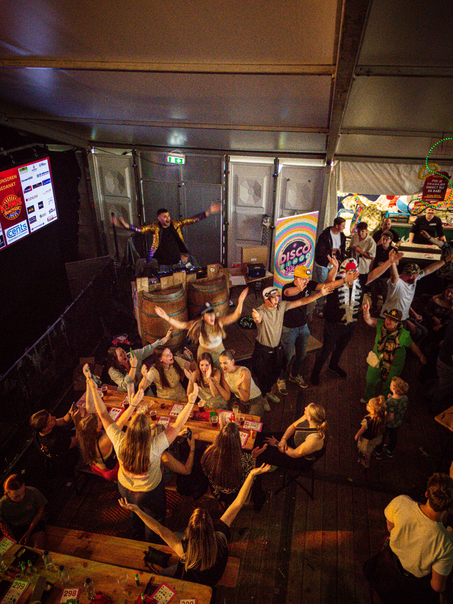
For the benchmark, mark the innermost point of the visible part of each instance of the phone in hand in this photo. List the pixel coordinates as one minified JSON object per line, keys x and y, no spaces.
{"x":189,"y":433}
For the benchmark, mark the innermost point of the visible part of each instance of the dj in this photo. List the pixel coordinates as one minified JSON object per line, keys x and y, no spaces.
{"x":167,"y":248}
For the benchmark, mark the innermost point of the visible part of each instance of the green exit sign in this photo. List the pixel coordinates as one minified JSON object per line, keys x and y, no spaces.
{"x":176,"y":159}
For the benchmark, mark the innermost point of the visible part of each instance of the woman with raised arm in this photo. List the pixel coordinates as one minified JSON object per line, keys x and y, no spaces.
{"x":208,"y":330}
{"x":238,"y":380}
{"x":211,"y":387}
{"x":167,"y":372}
{"x":125,"y":368}
{"x":203,"y":552}
{"x":140,"y":475}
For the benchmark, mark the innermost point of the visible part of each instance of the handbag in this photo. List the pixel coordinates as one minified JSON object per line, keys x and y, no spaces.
{"x":155,"y":557}
{"x":373,"y":360}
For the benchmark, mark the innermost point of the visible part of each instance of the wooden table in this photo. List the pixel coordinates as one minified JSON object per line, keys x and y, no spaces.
{"x":204,"y":430}
{"x":105,"y":579}
{"x":420,"y":251}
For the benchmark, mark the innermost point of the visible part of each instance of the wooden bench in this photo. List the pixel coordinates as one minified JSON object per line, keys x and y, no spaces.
{"x":118,"y":551}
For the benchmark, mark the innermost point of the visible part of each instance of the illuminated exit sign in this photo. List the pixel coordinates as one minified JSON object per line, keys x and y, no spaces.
{"x":176,"y":158}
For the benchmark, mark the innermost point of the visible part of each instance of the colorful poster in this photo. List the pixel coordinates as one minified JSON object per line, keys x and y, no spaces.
{"x":294,"y":245}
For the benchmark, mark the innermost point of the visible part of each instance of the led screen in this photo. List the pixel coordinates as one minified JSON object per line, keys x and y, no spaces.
{"x":27,"y":201}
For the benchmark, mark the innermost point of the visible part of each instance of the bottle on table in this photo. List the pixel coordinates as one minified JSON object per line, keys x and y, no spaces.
{"x":47,"y":559}
{"x":89,"y":589}
{"x":63,"y":574}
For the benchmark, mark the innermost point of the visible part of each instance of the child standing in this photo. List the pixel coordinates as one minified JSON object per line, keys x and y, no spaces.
{"x":373,"y":425}
{"x":396,"y":408}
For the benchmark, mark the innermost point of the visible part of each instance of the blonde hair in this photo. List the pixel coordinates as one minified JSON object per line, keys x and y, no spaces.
{"x":201,"y":552}
{"x":377,"y":409}
{"x":317,"y":414}
{"x":200,"y":328}
{"x":400,"y":385}
{"x":88,"y":433}
{"x":135,"y":451}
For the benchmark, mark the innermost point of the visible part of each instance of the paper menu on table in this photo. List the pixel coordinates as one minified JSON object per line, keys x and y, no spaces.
{"x":163,"y":594}
{"x":14,"y":592}
{"x":164,"y":420}
{"x":5,"y":544}
{"x":244,"y":436}
{"x":251,"y":425}
{"x":114,"y":413}
{"x":176,"y":409}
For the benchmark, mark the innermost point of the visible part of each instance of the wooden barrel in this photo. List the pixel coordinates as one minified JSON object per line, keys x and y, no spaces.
{"x":214,"y":291}
{"x":174,"y":301}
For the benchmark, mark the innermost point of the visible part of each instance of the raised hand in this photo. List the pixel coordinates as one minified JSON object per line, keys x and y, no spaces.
{"x":366,"y":305}
{"x":272,"y":441}
{"x":144,"y":370}
{"x":190,"y":375}
{"x":131,"y":507}
{"x":243,"y":295}
{"x":256,"y":452}
{"x":261,"y":470}
{"x":326,"y":289}
{"x":160,"y":312}
{"x":333,"y":261}
{"x":87,"y":371}
{"x":395,"y":256}
{"x":256,"y":316}
{"x":350,"y":277}
{"x":194,"y":394}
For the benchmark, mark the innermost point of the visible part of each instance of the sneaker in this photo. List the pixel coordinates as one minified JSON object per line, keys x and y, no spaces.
{"x":266,"y":406}
{"x":338,"y":371}
{"x":387,"y":451}
{"x":319,"y":313}
{"x":273,"y":398}
{"x":281,"y":385}
{"x":377,"y":454}
{"x":299,"y":380}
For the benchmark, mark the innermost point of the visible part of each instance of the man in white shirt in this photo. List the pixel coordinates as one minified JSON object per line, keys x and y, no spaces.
{"x":363,"y":248}
{"x":415,"y":565}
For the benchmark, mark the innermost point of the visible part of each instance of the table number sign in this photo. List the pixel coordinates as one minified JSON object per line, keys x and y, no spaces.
{"x":176,"y":409}
{"x":163,"y":594}
{"x":14,"y":592}
{"x":69,"y":596}
{"x":115,"y":413}
{"x":244,"y":436}
{"x":250,"y":425}
{"x":164,"y":420}
{"x":188,"y":601}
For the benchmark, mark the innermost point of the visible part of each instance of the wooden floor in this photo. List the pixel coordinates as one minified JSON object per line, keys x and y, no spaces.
{"x":297,"y":550}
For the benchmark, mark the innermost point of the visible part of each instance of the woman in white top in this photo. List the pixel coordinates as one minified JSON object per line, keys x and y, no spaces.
{"x":139,"y":455}
{"x":167,"y":372}
{"x":208,"y":330}
{"x":238,"y":380}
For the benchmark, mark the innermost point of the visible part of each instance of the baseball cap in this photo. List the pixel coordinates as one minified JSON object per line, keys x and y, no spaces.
{"x":270,"y":291}
{"x":207,"y":307}
{"x":303,"y":272}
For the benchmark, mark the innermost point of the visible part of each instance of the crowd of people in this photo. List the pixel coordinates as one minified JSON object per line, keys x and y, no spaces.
{"x":137,"y":454}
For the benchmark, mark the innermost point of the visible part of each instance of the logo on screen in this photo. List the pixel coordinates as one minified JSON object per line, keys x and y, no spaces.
{"x":42,"y":164}
{"x":24,"y":169}
{"x":25,"y":179}
{"x":37,"y":184}
{"x":32,"y":219}
{"x":42,"y":173}
{"x":28,"y":189}
{"x":46,"y":181}
{"x":34,"y":168}
{"x":31,"y":209}
{"x":51,"y":218}
{"x":11,"y":207}
{"x":40,"y":205}
{"x":16,"y":231}
{"x":42,"y":215}
{"x":2,"y":241}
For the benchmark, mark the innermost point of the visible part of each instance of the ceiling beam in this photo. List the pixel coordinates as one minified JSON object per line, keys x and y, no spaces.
{"x":404,"y":71}
{"x":48,"y":131}
{"x":354,"y":20}
{"x":384,"y":132}
{"x":171,"y":124}
{"x":156,"y":67}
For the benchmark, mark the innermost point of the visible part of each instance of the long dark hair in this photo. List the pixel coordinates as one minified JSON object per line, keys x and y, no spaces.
{"x":221,"y":461}
{"x":160,"y":368}
{"x":88,"y":434}
{"x":201,"y":551}
{"x":204,"y":356}
{"x":113,"y":360}
{"x":200,"y":327}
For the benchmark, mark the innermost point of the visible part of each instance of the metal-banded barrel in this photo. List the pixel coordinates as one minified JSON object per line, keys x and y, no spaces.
{"x":214,"y":291}
{"x":174,"y":301}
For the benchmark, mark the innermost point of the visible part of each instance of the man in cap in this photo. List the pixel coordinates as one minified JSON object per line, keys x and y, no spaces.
{"x":389,"y":351}
{"x":401,"y":288}
{"x":295,"y":332}
{"x":341,"y":313}
{"x":363,"y":248}
{"x":268,"y":356}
